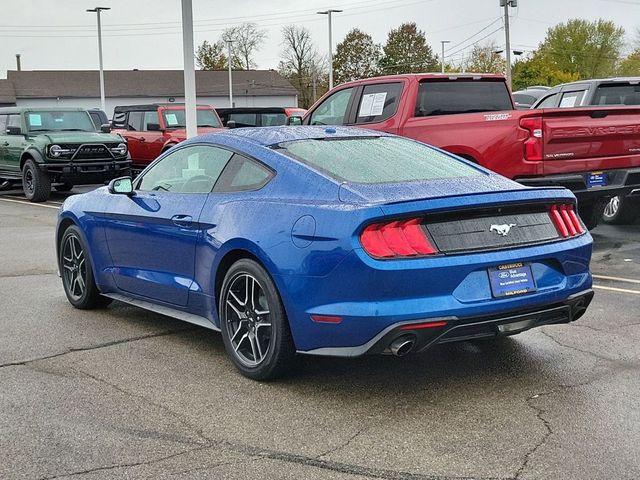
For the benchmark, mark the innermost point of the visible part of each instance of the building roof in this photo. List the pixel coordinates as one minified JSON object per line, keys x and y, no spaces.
{"x":143,"y":83}
{"x":7,"y":93}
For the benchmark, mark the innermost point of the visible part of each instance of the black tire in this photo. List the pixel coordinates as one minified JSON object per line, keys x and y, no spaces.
{"x":274,"y":342}
{"x":621,"y":210}
{"x":35,"y":183}
{"x":64,"y":187}
{"x":75,"y":263}
{"x":591,"y":213}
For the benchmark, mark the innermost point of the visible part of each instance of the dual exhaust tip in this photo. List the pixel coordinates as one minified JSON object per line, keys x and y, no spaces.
{"x":402,"y":346}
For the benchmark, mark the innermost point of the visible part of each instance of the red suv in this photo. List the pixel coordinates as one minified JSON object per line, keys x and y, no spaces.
{"x":152,"y":129}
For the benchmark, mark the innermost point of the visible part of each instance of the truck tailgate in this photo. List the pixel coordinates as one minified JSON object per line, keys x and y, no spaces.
{"x":590,"y":139}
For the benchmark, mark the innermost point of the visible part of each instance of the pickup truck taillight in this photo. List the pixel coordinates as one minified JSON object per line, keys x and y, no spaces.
{"x":566,"y":220}
{"x":533,"y":144}
{"x":398,"y":239}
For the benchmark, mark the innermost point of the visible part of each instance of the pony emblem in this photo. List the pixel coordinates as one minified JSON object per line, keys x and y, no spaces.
{"x":503,"y":229}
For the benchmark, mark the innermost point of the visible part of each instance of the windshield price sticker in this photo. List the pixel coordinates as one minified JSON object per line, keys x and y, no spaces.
{"x":372,"y":104}
{"x":511,"y":279}
{"x":171,"y":119}
{"x":35,"y":120}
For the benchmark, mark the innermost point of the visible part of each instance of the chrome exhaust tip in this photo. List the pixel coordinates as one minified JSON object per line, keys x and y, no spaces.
{"x":402,"y":346}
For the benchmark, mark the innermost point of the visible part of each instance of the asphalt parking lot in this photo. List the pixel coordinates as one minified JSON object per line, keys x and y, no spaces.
{"x":125,"y":393}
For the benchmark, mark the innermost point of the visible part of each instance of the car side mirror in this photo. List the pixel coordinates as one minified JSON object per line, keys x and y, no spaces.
{"x":294,"y":120}
{"x":14,"y":131}
{"x":105,"y":128}
{"x":122,"y":186}
{"x":231,"y":124}
{"x":153,"y":127}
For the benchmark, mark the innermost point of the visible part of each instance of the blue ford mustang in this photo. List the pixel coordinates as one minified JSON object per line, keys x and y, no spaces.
{"x":331,"y":241}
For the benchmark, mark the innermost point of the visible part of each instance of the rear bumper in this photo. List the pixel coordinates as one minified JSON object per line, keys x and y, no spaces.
{"x":620,"y":182}
{"x":80,"y":173}
{"x":454,"y":329}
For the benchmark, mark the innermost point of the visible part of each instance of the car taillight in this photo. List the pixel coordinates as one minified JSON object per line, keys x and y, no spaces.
{"x":400,"y":238}
{"x":533,"y":144}
{"x":566,"y":220}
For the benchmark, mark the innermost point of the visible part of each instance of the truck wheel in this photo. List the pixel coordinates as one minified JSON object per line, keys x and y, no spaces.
{"x":35,"y":183}
{"x":64,"y":187}
{"x":590,"y":213}
{"x":621,"y":210}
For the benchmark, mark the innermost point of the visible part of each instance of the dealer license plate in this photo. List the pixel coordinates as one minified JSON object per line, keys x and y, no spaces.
{"x":511,"y":279}
{"x":596,"y":179}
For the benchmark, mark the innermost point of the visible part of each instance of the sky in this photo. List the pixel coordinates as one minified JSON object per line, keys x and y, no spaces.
{"x":146,"y":34}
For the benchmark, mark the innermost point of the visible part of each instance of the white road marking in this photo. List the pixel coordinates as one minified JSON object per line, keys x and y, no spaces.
{"x":616,"y":279}
{"x":44,"y":205}
{"x":614,"y":289}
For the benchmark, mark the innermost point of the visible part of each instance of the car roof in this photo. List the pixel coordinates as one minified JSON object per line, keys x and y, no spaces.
{"x":267,"y":136}
{"x":425,"y":76}
{"x":596,"y":81}
{"x":225,"y":110}
{"x":152,"y":106}
{"x":6,"y":110}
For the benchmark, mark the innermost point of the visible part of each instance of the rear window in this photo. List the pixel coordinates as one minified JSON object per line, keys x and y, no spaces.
{"x":376,"y":159}
{"x":461,"y":96}
{"x":617,"y":95}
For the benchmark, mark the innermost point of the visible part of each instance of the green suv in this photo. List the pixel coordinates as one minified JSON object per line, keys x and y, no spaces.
{"x":59,"y":147}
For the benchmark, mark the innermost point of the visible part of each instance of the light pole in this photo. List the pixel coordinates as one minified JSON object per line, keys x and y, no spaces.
{"x":443,"y":42}
{"x":189,"y":70}
{"x":229,"y":53}
{"x":97,"y":11}
{"x":506,"y":4}
{"x":328,"y":13}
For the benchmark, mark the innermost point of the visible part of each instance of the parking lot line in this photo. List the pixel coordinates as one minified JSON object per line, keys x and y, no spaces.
{"x":614,"y":289}
{"x":30,"y":203}
{"x":616,"y":279}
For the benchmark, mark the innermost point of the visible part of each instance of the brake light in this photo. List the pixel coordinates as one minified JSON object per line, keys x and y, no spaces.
{"x":533,"y":144}
{"x":400,"y":238}
{"x":566,"y":220}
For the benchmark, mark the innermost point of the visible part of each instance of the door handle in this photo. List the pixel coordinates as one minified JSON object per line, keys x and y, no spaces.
{"x":142,"y":139}
{"x":182,"y":220}
{"x":5,"y":144}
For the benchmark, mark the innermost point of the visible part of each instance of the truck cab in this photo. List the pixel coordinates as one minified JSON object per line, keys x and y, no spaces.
{"x":154,"y":128}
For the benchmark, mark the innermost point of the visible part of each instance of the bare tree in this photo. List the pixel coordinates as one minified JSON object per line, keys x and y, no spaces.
{"x":301,"y":63}
{"x":247,"y":39}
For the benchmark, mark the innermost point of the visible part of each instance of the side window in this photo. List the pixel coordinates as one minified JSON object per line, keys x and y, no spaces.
{"x":244,"y":119}
{"x":333,"y":110}
{"x":548,"y":102}
{"x":571,"y":99}
{"x":273,"y":119}
{"x":192,"y":169}
{"x":378,"y":102}
{"x":149,"y":117}
{"x":13,"y":120}
{"x":134,"y":121}
{"x":243,"y":174}
{"x":3,"y":124}
{"x":119,"y":120}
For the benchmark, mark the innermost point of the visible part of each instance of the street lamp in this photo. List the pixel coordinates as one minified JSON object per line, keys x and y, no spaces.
{"x":328,"y":13}
{"x":229,"y":42}
{"x":443,"y":42}
{"x":97,"y":11}
{"x":191,"y":119}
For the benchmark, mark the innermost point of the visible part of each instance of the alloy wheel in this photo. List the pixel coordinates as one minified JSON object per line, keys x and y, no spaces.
{"x":28,"y":180}
{"x":74,"y":270}
{"x":247,"y":319}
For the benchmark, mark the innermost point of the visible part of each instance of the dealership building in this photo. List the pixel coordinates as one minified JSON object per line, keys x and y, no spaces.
{"x":81,"y":88}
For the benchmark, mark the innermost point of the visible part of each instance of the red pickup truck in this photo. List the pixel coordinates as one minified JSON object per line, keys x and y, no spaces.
{"x":595,"y":151}
{"x":152,"y":129}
